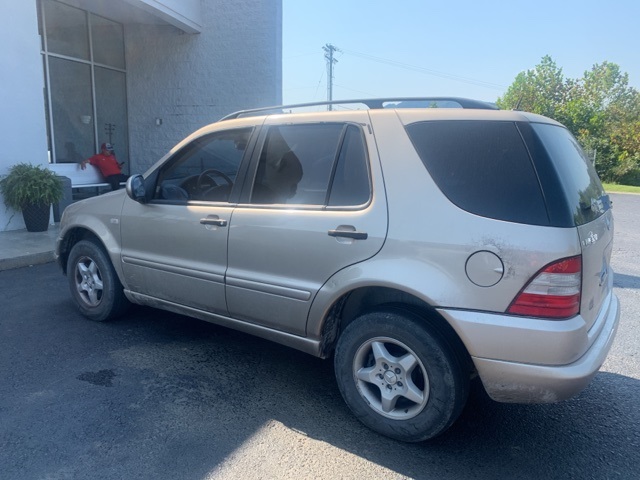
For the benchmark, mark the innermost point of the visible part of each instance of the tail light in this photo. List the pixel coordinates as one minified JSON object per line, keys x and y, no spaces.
{"x":554,"y":292}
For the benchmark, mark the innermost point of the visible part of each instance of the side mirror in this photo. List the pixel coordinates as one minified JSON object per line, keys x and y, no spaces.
{"x":135,"y":189}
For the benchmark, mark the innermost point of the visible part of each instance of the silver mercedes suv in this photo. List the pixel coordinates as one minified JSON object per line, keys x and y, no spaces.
{"x":419,"y":247}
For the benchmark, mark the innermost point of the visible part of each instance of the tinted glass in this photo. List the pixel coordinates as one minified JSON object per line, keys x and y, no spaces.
{"x":482,"y":167}
{"x":204,"y":170}
{"x":296,"y":164}
{"x":583,"y":190}
{"x":351,"y":184}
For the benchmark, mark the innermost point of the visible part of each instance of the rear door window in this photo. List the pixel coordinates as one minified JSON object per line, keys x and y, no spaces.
{"x":482,"y":167}
{"x":578,"y":178}
{"x":313,"y":165}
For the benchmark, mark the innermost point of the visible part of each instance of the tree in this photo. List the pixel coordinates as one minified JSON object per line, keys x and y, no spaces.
{"x":600,"y":109}
{"x":540,"y":90}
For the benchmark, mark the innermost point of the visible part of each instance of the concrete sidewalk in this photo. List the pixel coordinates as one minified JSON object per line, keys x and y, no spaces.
{"x":19,"y":248}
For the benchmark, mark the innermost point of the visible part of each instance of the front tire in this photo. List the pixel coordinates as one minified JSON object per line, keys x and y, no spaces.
{"x":400,"y":376}
{"x":94,"y":284}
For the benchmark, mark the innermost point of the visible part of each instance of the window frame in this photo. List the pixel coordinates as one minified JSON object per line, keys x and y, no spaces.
{"x":261,"y":140}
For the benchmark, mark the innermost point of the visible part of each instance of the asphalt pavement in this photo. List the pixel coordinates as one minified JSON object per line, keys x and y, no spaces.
{"x":159,"y":395}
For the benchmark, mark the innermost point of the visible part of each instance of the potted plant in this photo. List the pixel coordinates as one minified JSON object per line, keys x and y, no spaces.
{"x":31,"y":189}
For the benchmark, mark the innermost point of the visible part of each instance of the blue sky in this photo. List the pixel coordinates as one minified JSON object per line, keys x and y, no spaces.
{"x":449,"y":48}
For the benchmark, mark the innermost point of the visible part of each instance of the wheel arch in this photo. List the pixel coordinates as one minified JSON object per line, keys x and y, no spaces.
{"x":362,"y":300}
{"x":74,"y":235}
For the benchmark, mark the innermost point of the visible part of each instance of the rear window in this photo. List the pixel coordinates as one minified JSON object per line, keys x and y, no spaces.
{"x":578,"y":178}
{"x":482,"y":167}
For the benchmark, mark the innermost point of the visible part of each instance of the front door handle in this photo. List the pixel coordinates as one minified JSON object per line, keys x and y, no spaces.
{"x":347,"y":231}
{"x":213,"y":220}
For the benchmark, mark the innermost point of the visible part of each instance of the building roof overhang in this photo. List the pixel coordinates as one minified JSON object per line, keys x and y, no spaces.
{"x":185,"y":15}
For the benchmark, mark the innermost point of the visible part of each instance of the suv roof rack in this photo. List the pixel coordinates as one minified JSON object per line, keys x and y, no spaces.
{"x":375,"y":103}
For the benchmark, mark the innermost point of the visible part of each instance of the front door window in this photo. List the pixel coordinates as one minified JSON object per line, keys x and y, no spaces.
{"x":205,"y":170}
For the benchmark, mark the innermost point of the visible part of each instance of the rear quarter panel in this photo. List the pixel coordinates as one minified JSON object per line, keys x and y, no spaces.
{"x":430,"y":240}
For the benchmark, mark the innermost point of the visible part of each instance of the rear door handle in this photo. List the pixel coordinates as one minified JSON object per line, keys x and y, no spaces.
{"x":213,"y":220}
{"x":347,"y":231}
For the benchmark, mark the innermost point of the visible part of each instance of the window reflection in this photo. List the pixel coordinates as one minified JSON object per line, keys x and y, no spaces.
{"x":108,"y":42}
{"x":86,"y":83}
{"x":71,"y":109}
{"x":111,"y":111}
{"x":67,"y":32}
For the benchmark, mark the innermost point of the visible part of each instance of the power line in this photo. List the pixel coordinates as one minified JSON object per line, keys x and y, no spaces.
{"x":318,"y":86}
{"x":298,"y":55}
{"x":369,"y":94}
{"x":426,"y":71}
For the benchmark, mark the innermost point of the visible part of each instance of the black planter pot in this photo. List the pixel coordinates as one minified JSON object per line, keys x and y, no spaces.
{"x":36,"y":217}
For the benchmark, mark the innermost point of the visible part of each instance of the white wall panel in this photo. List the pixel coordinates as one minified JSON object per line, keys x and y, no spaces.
{"x":23,"y":136}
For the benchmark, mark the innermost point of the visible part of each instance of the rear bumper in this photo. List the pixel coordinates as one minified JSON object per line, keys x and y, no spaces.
{"x":539,"y":375}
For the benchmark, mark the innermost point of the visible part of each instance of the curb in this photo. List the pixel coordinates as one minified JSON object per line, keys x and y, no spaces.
{"x":26,"y":260}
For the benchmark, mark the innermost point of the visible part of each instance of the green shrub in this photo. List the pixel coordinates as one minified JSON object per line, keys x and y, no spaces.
{"x":27,"y":184}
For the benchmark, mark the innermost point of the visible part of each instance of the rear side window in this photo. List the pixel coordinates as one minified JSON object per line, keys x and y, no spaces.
{"x":482,"y":167}
{"x":578,"y":178}
{"x":351,"y":178}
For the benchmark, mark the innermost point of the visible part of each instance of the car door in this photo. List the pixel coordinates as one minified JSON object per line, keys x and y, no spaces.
{"x":315,"y":206}
{"x":174,"y":248}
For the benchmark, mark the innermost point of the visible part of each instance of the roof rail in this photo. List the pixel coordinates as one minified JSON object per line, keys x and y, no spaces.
{"x":375,"y":103}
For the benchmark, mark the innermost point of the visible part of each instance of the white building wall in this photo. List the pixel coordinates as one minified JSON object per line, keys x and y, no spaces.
{"x":186,"y":81}
{"x":23,"y":134}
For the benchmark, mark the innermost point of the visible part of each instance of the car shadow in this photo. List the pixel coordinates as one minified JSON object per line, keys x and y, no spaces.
{"x":594,"y":435}
{"x":159,"y":395}
{"x":590,"y":436}
{"x":622,"y":280}
{"x":245,"y":383}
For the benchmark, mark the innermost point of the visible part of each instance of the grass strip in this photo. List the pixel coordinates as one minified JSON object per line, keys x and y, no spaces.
{"x":614,"y":188}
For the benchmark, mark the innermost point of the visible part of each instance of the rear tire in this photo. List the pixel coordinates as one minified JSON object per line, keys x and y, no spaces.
{"x":94,"y":284}
{"x":400,"y":376}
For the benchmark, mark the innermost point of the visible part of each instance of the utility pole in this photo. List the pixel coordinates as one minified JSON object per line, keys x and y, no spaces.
{"x":109,"y":128}
{"x":328,"y":55}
